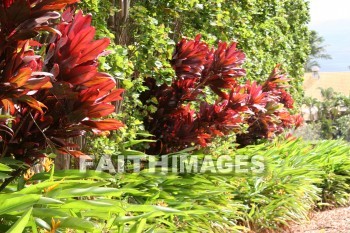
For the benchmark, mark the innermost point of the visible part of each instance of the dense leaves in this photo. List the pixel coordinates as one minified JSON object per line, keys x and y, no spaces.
{"x":183,"y":117}
{"x":269,"y":32}
{"x":51,"y":89}
{"x":331,"y":120}
{"x":298,"y":176}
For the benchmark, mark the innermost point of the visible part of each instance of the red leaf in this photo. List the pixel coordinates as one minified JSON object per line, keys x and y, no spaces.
{"x":48,"y":29}
{"x":76,"y":116}
{"x":34,"y":43}
{"x":203,"y":138}
{"x":38,"y":83}
{"x":100,"y":110}
{"x":113,"y":96}
{"x":257,"y":98}
{"x":27,"y":29}
{"x":8,"y":3}
{"x":18,"y":11}
{"x":79,"y":22}
{"x":90,"y":94}
{"x":77,"y":154}
{"x":101,"y":79}
{"x":53,"y":4}
{"x":108,"y":124}
{"x":93,"y":50}
{"x":81,"y":74}
{"x":8,"y":106}
{"x":82,"y":39}
{"x":33,"y":103}
{"x":103,"y":83}
{"x":21,"y":77}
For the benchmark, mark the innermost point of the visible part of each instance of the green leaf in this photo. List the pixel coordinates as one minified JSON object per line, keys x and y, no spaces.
{"x":49,"y":213}
{"x":127,"y":84}
{"x":20,"y":183}
{"x":47,"y":200}
{"x":74,"y":174}
{"x":138,"y":227}
{"x":38,"y":188}
{"x":15,"y":202}
{"x":125,"y":219}
{"x":107,"y":205}
{"x":42,"y":223}
{"x":13,"y":162}
{"x":77,"y":223}
{"x":5,"y":168}
{"x":135,"y":142}
{"x":95,"y":191}
{"x":21,"y":223}
{"x":4,"y":175}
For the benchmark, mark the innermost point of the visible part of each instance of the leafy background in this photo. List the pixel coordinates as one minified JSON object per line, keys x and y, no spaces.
{"x":269,"y":32}
{"x":299,"y":177}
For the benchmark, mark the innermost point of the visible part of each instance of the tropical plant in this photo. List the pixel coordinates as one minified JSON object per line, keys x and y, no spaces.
{"x":318,"y":50}
{"x":311,"y":103}
{"x":205,"y":100}
{"x":75,"y":201}
{"x":268,"y":32}
{"x":297,"y":176}
{"x":332,"y":114}
{"x":343,"y":127}
{"x":51,"y":91}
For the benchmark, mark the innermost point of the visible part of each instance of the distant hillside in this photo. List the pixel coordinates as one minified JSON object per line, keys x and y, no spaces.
{"x":339,"y":81}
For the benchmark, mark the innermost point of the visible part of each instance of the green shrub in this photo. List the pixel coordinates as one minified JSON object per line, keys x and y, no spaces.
{"x":298,"y":177}
{"x":333,"y":115}
{"x":269,"y":32}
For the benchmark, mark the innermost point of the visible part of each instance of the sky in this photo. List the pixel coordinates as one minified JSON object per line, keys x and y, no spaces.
{"x":331,"y":19}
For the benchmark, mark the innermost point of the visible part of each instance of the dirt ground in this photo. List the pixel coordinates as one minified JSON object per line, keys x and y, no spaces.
{"x":329,"y":221}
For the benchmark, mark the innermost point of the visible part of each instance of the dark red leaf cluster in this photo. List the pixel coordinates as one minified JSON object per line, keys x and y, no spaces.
{"x":50,"y":98}
{"x":184,"y":117}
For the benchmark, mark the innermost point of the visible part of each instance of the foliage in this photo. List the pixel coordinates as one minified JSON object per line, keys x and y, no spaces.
{"x":49,"y":98}
{"x":79,"y":201}
{"x":130,"y":62}
{"x":309,"y":132}
{"x":298,"y":176}
{"x":318,"y":50}
{"x":270,"y":32}
{"x":343,"y":127}
{"x":50,"y":91}
{"x":333,"y":114}
{"x":182,"y":114}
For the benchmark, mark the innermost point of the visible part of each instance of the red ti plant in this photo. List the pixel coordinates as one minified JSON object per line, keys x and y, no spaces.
{"x":275,"y":116}
{"x":184,"y":117}
{"x":60,"y":94}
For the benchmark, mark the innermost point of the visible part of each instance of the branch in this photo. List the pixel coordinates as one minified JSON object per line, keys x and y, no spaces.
{"x":14,"y":175}
{"x":14,"y":135}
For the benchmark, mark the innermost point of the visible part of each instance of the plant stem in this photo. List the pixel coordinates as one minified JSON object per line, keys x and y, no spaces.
{"x":10,"y":179}
{"x":15,"y":134}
